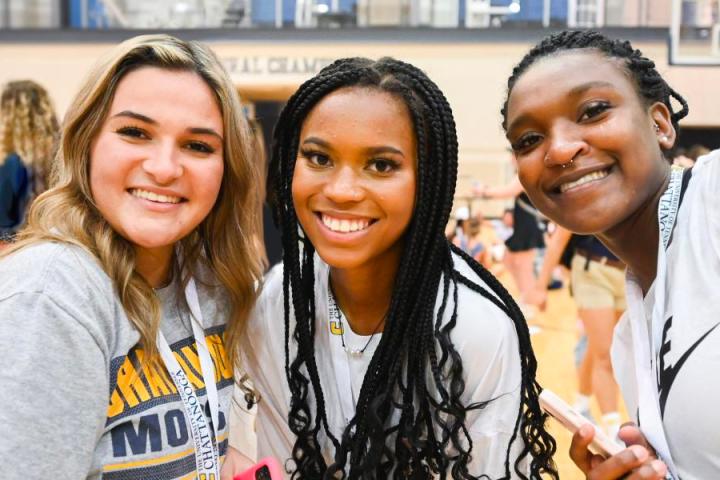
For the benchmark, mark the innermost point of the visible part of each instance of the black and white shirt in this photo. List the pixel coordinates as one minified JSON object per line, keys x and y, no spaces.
{"x":687,"y":362}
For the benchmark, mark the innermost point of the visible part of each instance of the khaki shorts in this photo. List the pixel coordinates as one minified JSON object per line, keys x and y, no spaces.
{"x":598,"y":286}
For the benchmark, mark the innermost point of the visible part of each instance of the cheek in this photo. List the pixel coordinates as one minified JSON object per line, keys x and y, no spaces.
{"x":210,"y":179}
{"x":104,"y":171}
{"x":302,"y":187}
{"x":401,"y":199}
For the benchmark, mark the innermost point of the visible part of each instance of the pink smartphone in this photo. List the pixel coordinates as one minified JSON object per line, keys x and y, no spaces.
{"x":557,"y":408}
{"x":266,"y":469}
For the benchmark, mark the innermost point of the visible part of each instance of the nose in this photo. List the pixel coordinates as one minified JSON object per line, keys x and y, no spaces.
{"x":343,"y":186}
{"x":564,"y":146}
{"x":164,"y":164}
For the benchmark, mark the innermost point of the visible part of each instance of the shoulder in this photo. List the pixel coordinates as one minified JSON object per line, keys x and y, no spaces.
{"x":707,"y":170}
{"x":483,"y":329}
{"x":64,"y":273}
{"x":11,"y":161}
{"x":60,"y":289}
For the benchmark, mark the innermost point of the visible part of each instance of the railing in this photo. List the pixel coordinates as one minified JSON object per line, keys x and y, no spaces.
{"x":163,"y":14}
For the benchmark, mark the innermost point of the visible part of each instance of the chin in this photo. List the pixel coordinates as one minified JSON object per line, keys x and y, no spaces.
{"x":340,"y":259}
{"x":154,"y":242}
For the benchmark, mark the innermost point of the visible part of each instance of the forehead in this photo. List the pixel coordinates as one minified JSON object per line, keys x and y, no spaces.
{"x":360,"y":109}
{"x":167,"y":94}
{"x":563,"y":72}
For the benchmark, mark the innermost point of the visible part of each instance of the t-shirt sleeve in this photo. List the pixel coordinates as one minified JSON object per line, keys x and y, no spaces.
{"x":54,"y":389}
{"x":711,"y":193}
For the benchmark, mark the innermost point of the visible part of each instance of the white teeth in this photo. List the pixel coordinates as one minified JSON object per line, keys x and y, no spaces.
{"x":582,"y":180}
{"x":344,"y":225}
{"x":154,"y":197}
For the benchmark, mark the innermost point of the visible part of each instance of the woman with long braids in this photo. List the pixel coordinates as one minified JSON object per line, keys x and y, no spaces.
{"x":376,"y":348}
{"x":592,"y":123}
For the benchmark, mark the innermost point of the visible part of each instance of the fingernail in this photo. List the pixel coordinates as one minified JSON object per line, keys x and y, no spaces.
{"x":585,"y":430}
{"x":639,"y":452}
{"x":658,"y":466}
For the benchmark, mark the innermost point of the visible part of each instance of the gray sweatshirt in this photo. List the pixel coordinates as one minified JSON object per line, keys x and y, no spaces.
{"x":73,"y":403}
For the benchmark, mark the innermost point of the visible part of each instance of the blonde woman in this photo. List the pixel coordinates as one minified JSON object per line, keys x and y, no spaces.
{"x":122,"y":300}
{"x":28,"y":134}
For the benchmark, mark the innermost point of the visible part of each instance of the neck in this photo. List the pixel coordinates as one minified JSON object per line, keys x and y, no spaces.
{"x":154,"y":265}
{"x":364,"y":294}
{"x":635,"y":240}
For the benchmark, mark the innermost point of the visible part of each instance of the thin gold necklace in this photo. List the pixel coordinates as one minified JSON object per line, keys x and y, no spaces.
{"x":355,"y":352}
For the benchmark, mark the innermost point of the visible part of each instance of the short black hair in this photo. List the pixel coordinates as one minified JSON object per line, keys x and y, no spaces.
{"x":650,"y":85}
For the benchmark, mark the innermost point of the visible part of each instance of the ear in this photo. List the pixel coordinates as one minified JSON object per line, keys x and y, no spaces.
{"x":663,"y":126}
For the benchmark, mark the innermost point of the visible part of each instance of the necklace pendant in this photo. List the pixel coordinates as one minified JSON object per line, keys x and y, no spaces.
{"x":355,"y":352}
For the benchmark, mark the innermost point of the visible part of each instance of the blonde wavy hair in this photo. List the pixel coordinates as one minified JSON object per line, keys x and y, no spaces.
{"x":29,"y":128}
{"x":225,"y":241}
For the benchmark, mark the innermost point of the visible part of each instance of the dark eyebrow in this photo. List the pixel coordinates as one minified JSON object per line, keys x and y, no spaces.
{"x":370,"y":150}
{"x":146,"y":119}
{"x":574,"y":92}
{"x":205,"y":131}
{"x":580,"y":89}
{"x":136,"y":116}
{"x":316,"y":141}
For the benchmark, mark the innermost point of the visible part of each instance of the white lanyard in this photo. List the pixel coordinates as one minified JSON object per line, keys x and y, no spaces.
{"x":204,"y":435}
{"x":647,"y":344}
{"x":341,"y":365}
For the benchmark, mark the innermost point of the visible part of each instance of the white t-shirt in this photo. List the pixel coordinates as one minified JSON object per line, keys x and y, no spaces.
{"x":484,"y":337}
{"x":688,"y":361}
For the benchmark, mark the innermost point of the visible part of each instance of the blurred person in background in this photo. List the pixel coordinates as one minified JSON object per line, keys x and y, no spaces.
{"x":598,"y":290}
{"x":526,"y":239}
{"x":28,"y":137}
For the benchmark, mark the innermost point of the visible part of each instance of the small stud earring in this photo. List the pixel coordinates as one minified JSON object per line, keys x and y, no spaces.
{"x":657,"y":127}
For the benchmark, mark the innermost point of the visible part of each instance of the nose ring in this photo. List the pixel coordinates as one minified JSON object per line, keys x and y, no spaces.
{"x":564,"y":165}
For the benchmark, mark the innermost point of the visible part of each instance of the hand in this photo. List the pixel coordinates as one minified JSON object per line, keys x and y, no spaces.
{"x":637,"y":462}
{"x":235,"y":462}
{"x":538,"y":296}
{"x":480,"y":190}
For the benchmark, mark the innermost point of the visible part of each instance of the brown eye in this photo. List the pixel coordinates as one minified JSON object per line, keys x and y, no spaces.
{"x":200,"y":147}
{"x":316,"y":158}
{"x":594,"y":109}
{"x":132,"y":132}
{"x":526,"y":142}
{"x":383,"y":165}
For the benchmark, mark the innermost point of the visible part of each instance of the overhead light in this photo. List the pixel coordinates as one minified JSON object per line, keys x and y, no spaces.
{"x":514,"y":7}
{"x":181,"y":7}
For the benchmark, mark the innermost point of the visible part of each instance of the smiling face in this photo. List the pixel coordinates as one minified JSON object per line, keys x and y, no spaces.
{"x":156,"y":165}
{"x":355,"y":177}
{"x":588,"y":150}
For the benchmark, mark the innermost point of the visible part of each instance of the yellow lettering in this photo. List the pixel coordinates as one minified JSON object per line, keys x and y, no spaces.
{"x":126,"y":375}
{"x":192,"y":367}
{"x":117,"y":406}
{"x":223,"y":366}
{"x":156,"y":377}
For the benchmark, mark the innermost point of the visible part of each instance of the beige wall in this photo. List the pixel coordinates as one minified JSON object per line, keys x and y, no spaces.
{"x":472,"y":76}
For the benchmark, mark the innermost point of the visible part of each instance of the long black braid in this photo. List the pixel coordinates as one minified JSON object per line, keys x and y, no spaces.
{"x":649,"y":83}
{"x":415,"y":345}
